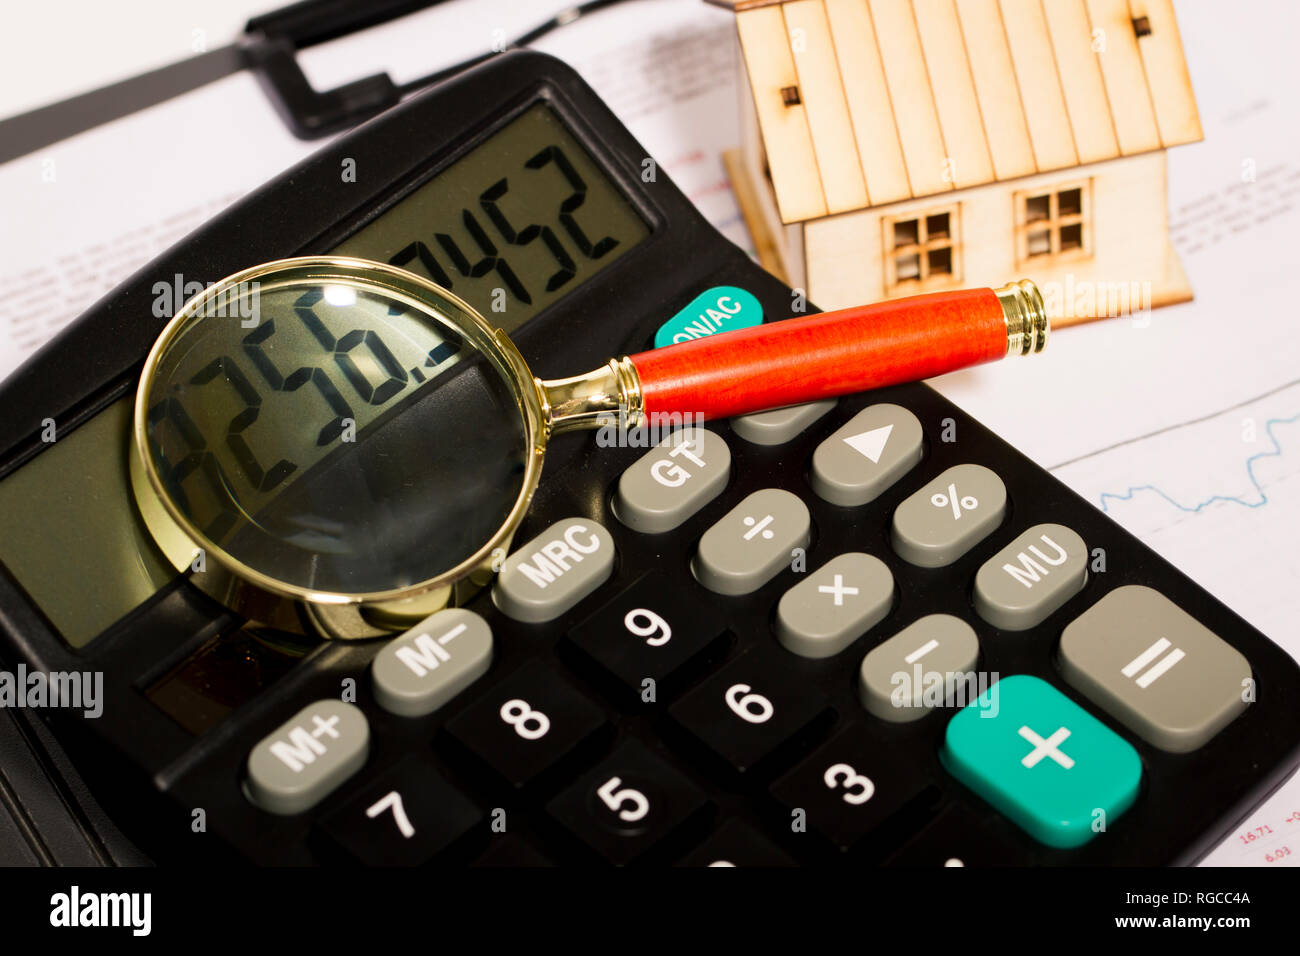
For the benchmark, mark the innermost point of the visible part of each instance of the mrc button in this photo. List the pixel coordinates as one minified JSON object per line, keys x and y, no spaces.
{"x":682,"y":474}
{"x":299,"y":763}
{"x":554,"y":571}
{"x":1159,"y":671}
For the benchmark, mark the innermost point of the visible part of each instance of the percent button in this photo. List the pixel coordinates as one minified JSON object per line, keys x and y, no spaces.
{"x":947,"y":517}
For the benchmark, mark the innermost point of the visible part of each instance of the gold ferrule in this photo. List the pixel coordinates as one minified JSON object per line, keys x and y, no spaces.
{"x":591,"y":400}
{"x":1025,"y":317}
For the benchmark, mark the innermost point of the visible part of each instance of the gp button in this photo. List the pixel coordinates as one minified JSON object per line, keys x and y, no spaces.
{"x":554,"y":571}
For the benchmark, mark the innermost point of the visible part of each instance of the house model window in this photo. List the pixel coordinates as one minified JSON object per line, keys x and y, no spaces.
{"x":921,"y":248}
{"x":1054,"y":222}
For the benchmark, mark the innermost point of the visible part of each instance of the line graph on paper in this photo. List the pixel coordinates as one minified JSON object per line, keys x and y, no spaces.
{"x":1219,"y":497}
{"x":1204,"y":493}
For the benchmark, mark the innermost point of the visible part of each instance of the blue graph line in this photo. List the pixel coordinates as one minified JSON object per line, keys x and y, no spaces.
{"x":1250,"y":472}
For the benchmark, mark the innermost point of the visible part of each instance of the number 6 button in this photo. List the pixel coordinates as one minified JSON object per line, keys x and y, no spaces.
{"x":627,"y":804}
{"x":749,"y":709}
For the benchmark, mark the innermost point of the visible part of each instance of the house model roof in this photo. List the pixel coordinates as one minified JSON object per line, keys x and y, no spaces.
{"x":867,"y":102}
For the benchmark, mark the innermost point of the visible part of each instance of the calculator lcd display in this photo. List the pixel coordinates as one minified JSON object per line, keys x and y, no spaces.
{"x":520,"y":221}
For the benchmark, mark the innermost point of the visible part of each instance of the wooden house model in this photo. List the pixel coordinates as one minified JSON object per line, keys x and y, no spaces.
{"x":902,"y":146}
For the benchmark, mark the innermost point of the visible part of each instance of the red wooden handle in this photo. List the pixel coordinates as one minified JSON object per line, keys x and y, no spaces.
{"x":820,"y":356}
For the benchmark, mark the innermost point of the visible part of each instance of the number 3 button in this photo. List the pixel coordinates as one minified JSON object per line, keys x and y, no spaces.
{"x":526,"y":724}
{"x":750,"y":708}
{"x":627,"y":804}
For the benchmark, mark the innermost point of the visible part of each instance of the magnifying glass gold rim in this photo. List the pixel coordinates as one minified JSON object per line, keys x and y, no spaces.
{"x":180,"y":539}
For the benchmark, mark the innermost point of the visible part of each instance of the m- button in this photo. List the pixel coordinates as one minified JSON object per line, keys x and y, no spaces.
{"x":554,"y":571}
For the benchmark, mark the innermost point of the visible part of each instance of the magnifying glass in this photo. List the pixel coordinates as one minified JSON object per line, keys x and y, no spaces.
{"x":339,"y":446}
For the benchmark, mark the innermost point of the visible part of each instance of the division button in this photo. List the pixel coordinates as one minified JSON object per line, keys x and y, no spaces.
{"x":554,"y":571}
{"x":431,"y":663}
{"x":835,"y":605}
{"x":1031,"y":577}
{"x":895,"y":676}
{"x":778,"y":426}
{"x":949,"y":516}
{"x":866,"y":455}
{"x":752,"y":542}
{"x":1041,"y":759}
{"x":677,"y":478}
{"x":1155,"y":668}
{"x":300,"y":762}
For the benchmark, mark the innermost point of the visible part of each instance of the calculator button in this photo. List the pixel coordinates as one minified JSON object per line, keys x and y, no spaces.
{"x":554,"y":571}
{"x":778,"y":426}
{"x":1044,"y":761}
{"x":895,"y":676}
{"x":677,"y":478}
{"x":630,"y":802}
{"x":749,"y":709}
{"x":527,"y":724}
{"x":737,"y":844}
{"x":949,"y":516}
{"x":404,"y":817}
{"x":835,"y":605}
{"x":649,"y":631}
{"x":751,"y":544}
{"x":866,"y":455}
{"x":431,"y":663}
{"x":300,"y":762}
{"x":1155,"y":668}
{"x":959,"y":838}
{"x":849,"y":787}
{"x":507,"y":849}
{"x":1031,"y":577}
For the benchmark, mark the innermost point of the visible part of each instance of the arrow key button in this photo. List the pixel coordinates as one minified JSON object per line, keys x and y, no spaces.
{"x":866,"y":455}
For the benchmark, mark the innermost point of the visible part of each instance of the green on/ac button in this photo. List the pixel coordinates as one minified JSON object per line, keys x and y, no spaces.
{"x":720,"y":309}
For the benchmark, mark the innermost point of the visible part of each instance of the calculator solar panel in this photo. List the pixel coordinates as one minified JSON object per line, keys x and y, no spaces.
{"x":864,"y":631}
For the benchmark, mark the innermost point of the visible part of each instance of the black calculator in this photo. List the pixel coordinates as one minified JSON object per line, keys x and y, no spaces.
{"x":855,"y":632}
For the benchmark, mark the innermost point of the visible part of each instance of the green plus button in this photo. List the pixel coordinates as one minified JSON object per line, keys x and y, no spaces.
{"x":1043,"y":760}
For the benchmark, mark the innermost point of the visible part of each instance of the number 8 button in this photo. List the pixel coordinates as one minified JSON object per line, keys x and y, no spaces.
{"x":526,"y":724}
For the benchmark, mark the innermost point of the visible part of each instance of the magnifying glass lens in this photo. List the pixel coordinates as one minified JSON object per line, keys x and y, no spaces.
{"x":334,"y":435}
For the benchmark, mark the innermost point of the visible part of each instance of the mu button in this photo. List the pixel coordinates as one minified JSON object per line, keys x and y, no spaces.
{"x":1043,"y":761}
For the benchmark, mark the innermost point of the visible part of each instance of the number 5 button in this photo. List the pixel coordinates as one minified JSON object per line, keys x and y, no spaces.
{"x":627,"y":804}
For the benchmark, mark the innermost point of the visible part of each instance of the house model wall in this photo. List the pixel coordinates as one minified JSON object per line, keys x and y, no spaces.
{"x":901,"y":146}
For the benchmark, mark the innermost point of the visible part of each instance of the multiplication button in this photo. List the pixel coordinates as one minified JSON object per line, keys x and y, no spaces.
{"x":554,"y":571}
{"x":677,"y":478}
{"x":752,"y":542}
{"x":866,"y":455}
{"x":949,"y":516}
{"x":835,"y":605}
{"x":1031,"y":577}
{"x":1159,"y":671}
